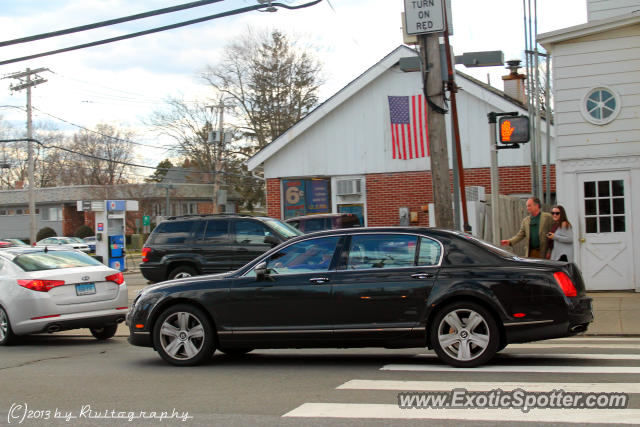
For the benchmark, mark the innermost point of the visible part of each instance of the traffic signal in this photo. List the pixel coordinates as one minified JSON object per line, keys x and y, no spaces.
{"x":514,"y":129}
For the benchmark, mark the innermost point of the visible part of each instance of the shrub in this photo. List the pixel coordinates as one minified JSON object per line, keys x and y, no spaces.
{"x":83,"y":231}
{"x":45,"y":232}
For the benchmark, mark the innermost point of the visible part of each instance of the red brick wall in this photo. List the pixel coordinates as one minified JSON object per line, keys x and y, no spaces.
{"x":71,"y":219}
{"x":274,"y":197}
{"x":387,"y":192}
{"x":205,"y":208}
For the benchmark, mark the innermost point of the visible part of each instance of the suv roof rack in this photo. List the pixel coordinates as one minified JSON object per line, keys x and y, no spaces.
{"x":208,"y":215}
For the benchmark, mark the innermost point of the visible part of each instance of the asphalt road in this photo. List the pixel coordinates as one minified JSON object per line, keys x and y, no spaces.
{"x":80,"y":377}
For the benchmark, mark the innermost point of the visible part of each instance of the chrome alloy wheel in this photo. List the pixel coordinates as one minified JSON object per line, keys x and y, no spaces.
{"x":463,"y":334}
{"x":182,"y":336}
{"x":4,"y":325}
{"x":182,"y":275}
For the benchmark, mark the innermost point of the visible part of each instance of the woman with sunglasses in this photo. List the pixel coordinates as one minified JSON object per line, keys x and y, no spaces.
{"x":561,"y":236}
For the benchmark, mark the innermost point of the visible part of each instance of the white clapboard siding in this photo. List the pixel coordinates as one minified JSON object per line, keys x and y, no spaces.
{"x":618,"y":125}
{"x":596,"y":47}
{"x":602,"y":9}
{"x":607,"y":58}
{"x":621,"y":66}
{"x":603,"y":138}
{"x":560,"y":62}
{"x":630,"y":103}
{"x":597,"y":80}
{"x":574,"y":117}
{"x":577,"y":94}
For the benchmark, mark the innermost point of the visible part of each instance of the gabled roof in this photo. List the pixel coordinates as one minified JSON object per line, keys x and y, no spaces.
{"x":354,"y":87}
{"x":593,"y":27}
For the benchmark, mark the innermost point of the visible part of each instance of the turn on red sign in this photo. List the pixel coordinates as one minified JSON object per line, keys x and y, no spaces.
{"x":423,"y":16}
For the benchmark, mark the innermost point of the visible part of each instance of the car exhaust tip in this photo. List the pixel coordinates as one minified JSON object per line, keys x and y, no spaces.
{"x":53,"y":328}
{"x":579,"y":328}
{"x":120,"y":320}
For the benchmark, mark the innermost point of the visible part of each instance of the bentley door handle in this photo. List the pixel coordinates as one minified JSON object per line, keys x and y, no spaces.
{"x":319,"y":280}
{"x":422,"y":276}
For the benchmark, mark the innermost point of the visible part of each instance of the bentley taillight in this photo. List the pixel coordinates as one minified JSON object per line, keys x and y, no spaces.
{"x":565,"y":284}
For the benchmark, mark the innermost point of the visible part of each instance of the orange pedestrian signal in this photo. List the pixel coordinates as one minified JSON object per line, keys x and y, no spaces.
{"x":514,"y":129}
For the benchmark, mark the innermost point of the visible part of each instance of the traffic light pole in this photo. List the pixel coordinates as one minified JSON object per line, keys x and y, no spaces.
{"x":495,"y":180}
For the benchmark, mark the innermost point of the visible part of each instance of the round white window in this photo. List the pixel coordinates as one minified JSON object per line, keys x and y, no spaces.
{"x":600,"y":105}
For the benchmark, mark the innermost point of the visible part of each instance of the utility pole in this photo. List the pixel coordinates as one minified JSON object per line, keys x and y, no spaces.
{"x":217,"y":153}
{"x":434,"y":93}
{"x":457,"y":150}
{"x":28,"y":83}
{"x":216,"y":181}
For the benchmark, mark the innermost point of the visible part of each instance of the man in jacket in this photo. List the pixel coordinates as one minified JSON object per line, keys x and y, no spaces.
{"x":534,"y":229}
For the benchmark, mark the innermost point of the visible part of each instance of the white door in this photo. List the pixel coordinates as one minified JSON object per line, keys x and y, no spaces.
{"x":604,"y":236}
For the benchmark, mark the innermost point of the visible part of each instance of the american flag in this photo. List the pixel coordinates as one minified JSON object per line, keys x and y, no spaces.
{"x":409,"y":135}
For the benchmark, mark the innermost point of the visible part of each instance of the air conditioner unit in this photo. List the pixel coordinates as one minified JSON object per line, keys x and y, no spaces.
{"x":475,"y":193}
{"x":349,"y":186}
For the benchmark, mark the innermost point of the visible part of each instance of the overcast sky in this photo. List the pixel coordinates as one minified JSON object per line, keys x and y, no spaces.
{"x":122,"y":83}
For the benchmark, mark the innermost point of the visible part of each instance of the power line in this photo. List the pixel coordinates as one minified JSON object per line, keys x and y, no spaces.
{"x":89,"y":130}
{"x":90,"y":156}
{"x":137,"y":97}
{"x":268,"y":6}
{"x":109,"y":22}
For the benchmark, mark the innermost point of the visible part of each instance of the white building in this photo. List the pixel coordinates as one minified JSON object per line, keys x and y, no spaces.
{"x":345,"y":148}
{"x":596,"y":82}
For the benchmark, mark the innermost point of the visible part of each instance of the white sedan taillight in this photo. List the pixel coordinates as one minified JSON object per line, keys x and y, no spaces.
{"x":117,"y":278}
{"x":40,"y":285}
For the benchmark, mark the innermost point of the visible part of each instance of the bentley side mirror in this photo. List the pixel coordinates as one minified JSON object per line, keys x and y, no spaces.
{"x":262,"y":272}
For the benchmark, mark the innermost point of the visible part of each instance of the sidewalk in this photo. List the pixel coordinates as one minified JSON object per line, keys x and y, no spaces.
{"x":615,"y":313}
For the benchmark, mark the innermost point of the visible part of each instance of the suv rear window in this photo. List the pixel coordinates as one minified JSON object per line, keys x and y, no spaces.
{"x":54,"y":260}
{"x":283,"y":228}
{"x":171,"y":232}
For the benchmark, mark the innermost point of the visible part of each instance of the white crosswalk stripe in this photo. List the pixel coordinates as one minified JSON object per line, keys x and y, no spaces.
{"x":516,"y":368}
{"x":387,"y":411}
{"x":579,"y":372}
{"x":488,"y":386}
{"x":564,"y":356}
{"x":538,"y":346}
{"x":596,"y":339}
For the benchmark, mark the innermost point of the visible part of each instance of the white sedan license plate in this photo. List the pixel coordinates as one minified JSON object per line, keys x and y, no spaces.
{"x":86,"y":289}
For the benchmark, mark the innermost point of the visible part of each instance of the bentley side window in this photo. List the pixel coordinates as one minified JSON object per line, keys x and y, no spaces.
{"x":308,"y":256}
{"x":381,"y":251}
{"x":429,"y":252}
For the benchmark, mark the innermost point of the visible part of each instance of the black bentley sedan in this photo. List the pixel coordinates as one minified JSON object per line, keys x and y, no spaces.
{"x":366,"y":287}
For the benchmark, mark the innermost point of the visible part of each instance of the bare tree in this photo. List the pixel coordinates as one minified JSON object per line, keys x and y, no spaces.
{"x":271,"y":83}
{"x":14,"y":156}
{"x":267,"y":84}
{"x":99,"y":157}
{"x":188,"y":124}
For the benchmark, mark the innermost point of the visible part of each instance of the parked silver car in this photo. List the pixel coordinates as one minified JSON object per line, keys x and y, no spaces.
{"x":64,"y":242}
{"x":44,"y":290}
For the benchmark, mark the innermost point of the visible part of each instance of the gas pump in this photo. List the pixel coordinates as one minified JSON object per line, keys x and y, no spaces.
{"x":110,"y":231}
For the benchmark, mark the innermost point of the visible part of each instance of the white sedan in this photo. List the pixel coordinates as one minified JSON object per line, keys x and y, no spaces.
{"x":63,"y":242}
{"x":43,"y":290}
